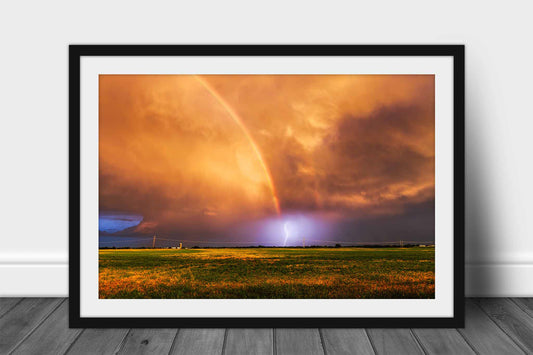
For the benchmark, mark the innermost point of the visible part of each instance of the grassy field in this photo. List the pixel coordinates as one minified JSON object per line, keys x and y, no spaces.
{"x":268,"y":273}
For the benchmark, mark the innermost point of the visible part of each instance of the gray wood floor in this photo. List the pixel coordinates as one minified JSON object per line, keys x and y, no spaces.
{"x":40,"y":326}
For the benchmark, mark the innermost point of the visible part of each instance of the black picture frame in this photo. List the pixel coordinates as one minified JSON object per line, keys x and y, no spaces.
{"x":76,"y":52}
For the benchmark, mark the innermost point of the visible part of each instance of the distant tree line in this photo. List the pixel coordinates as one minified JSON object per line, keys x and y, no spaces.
{"x":291,"y":247}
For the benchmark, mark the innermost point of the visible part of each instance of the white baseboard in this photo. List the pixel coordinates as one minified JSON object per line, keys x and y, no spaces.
{"x":499,"y":280}
{"x":34,"y":280}
{"x":51,"y":280}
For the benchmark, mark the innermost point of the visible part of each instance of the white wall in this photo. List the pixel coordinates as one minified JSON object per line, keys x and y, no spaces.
{"x":34,"y":110}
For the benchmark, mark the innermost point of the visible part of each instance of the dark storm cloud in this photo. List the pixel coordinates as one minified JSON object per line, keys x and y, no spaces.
{"x":356,"y":149}
{"x":369,"y":159}
{"x":416,"y":223}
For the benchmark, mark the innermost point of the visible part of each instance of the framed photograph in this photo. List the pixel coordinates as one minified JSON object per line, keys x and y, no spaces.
{"x":266,"y":186}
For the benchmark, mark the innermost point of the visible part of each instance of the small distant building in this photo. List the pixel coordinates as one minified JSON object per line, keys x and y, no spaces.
{"x":181,"y":246}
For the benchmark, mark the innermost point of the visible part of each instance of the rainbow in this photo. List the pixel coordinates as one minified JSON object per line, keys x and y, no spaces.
{"x":235,"y":117}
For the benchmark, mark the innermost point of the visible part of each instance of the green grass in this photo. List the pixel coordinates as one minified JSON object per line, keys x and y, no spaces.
{"x":268,"y":273}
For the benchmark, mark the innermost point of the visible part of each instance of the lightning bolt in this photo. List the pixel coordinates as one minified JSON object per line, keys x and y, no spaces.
{"x":286,"y":230}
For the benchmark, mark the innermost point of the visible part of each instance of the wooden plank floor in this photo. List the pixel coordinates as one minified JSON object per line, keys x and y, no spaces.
{"x":40,"y":326}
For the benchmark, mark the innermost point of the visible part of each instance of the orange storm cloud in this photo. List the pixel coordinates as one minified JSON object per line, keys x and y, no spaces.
{"x":202,"y":152}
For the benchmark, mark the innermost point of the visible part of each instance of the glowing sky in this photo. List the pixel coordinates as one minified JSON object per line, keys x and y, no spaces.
{"x":218,"y":156}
